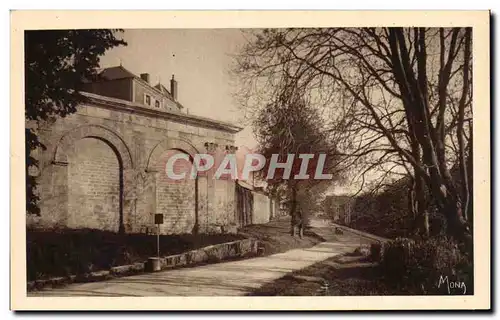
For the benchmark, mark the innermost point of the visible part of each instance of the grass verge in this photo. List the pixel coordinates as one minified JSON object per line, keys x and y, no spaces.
{"x":275,"y":236}
{"x":341,"y":276}
{"x":75,"y":252}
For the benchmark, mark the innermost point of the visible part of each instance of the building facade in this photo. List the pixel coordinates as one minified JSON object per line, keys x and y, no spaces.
{"x":254,"y":205}
{"x":104,"y":166}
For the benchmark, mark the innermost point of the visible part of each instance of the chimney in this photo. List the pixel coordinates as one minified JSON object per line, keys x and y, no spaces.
{"x":145,"y":77}
{"x":173,"y":88}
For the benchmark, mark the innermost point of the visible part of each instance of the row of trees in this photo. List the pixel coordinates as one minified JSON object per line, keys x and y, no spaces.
{"x":392,"y":101}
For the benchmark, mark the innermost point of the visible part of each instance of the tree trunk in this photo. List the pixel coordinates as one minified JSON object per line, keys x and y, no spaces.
{"x":293,"y":207}
{"x":470,"y":216}
{"x":458,"y":228}
{"x":422,"y":207}
{"x":421,"y":225}
{"x":431,"y":168}
{"x":460,"y":127}
{"x":450,"y":204}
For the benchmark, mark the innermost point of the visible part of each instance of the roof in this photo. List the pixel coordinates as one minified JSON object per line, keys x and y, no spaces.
{"x":115,"y":73}
{"x":164,"y":90}
{"x":248,"y":186}
{"x":244,"y":184}
{"x":134,"y":107}
{"x":120,"y":72}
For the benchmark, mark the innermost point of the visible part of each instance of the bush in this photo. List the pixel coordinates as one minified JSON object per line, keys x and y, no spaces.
{"x":376,"y":251}
{"x":418,"y":266}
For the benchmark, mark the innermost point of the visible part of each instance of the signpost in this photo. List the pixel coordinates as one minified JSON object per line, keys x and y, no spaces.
{"x":158,"y":221}
{"x":154,"y":262}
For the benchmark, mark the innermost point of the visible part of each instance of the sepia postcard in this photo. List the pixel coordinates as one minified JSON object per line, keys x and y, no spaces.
{"x":250,"y":160}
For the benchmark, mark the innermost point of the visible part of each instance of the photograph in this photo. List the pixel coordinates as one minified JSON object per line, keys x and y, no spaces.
{"x":314,"y":164}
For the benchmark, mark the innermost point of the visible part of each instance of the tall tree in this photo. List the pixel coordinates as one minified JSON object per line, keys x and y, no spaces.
{"x":289,"y":126}
{"x":400,"y":102}
{"x":56,"y":64}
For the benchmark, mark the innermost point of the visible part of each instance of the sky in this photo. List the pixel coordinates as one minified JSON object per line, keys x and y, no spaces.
{"x":200,"y":59}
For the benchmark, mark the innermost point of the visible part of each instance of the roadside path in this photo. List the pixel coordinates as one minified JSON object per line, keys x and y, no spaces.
{"x":233,"y":278}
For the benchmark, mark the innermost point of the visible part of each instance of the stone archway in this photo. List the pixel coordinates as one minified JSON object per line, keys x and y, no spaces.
{"x":177,"y":200}
{"x":96,"y":131}
{"x":93,"y":160}
{"x":169,"y":144}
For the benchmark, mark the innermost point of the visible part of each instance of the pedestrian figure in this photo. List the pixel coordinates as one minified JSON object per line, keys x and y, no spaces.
{"x":297,"y":219}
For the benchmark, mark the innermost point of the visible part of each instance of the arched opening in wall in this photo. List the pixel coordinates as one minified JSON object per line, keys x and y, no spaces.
{"x":177,"y":199}
{"x":95,"y":185}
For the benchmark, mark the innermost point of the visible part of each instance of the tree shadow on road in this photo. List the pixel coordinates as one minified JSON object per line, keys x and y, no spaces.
{"x":330,"y":277}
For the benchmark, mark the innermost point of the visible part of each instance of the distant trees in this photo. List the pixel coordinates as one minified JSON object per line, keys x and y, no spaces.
{"x":399,"y":102}
{"x":56,"y":64}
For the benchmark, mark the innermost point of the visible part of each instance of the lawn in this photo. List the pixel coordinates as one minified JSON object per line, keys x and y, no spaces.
{"x":275,"y":236}
{"x":75,"y":252}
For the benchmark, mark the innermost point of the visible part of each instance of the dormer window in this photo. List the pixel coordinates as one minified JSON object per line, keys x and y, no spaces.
{"x":147,"y":99}
{"x":157,"y":104}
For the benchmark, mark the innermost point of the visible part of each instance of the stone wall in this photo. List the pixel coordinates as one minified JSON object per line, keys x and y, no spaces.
{"x":94,"y":186}
{"x":262,"y":208}
{"x":253,"y":206}
{"x":175,"y":199}
{"x":244,"y":205}
{"x":104,"y":165}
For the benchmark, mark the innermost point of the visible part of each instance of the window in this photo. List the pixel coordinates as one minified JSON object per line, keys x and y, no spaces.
{"x":147,"y":99}
{"x":157,"y":104}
